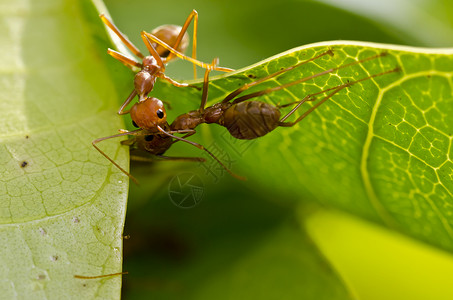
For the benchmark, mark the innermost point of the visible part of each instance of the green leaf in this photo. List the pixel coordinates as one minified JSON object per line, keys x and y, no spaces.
{"x":380,"y":149}
{"x":62,"y":204}
{"x":240,"y":37}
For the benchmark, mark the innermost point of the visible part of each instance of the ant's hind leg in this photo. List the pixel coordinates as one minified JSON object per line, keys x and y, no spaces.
{"x":152,"y":51}
{"x":334,"y":91}
{"x":192,"y":16}
{"x":284,"y":86}
{"x":256,"y":82}
{"x":306,"y":99}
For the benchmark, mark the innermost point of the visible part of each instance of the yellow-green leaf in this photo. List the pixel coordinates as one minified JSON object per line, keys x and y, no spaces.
{"x":62,"y":205}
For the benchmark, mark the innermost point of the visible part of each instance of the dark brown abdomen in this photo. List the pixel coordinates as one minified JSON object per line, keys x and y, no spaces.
{"x":251,"y":119}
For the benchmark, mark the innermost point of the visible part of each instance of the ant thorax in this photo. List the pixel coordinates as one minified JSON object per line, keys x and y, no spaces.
{"x":189,"y":120}
{"x":144,"y":84}
{"x":214,"y":114}
{"x":145,"y":79}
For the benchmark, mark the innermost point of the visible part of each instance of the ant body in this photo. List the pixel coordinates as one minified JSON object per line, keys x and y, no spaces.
{"x":243,"y":119}
{"x":252,"y":119}
{"x":153,"y":65}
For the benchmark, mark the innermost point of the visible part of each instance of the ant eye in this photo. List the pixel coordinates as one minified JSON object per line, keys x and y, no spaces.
{"x":160,"y":113}
{"x":135,"y":124}
{"x":149,"y":138}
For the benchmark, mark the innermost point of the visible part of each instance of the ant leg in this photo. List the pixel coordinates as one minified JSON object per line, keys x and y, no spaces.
{"x":177,"y":84}
{"x":122,"y":36}
{"x":132,"y":95}
{"x":310,"y":97}
{"x":190,"y":131}
{"x":249,"y":85}
{"x":100,"y":276}
{"x":192,"y":16}
{"x":173,"y":82}
{"x":185,"y":136}
{"x":135,"y":132}
{"x":153,"y":51}
{"x":202,"y":148}
{"x":204,"y":96}
{"x":307,"y":98}
{"x":284,"y":86}
{"x":335,"y":90}
{"x":201,"y":64}
{"x":128,"y":62}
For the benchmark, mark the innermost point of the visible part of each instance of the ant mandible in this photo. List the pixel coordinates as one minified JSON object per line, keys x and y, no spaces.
{"x":153,"y":65}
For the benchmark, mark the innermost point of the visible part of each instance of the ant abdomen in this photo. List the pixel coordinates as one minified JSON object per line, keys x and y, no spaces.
{"x":251,"y":119}
{"x":148,"y":114}
{"x":169,"y":34}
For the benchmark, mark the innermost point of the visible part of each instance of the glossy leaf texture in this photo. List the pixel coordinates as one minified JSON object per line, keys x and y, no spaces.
{"x":62,"y":205}
{"x":380,"y":148}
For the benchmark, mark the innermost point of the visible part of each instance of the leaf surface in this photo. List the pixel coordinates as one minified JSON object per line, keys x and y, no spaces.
{"x":62,"y":205}
{"x":380,"y":149}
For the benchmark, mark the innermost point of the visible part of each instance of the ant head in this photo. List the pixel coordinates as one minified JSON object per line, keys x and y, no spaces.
{"x":148,"y":114}
{"x":169,"y":34}
{"x":144,"y":83}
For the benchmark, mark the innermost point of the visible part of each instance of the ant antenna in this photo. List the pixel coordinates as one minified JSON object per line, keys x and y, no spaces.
{"x":111,"y":160}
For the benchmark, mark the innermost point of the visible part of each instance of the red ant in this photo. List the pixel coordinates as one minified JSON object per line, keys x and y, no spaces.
{"x":243,"y":119}
{"x":153,"y":65}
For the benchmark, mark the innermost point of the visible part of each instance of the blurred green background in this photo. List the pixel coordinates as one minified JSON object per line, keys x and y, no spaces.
{"x":174,"y":252}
